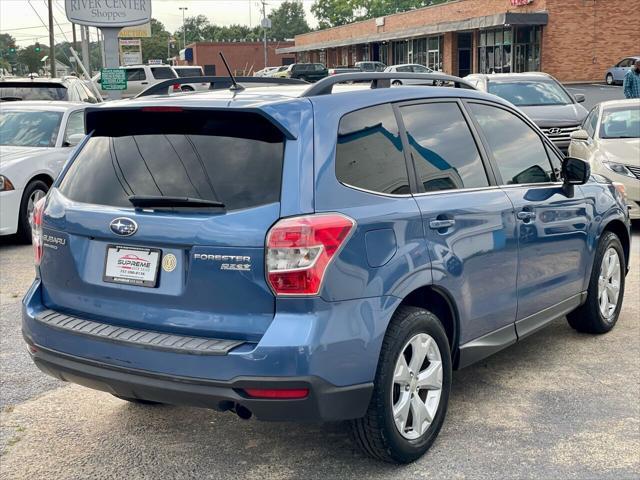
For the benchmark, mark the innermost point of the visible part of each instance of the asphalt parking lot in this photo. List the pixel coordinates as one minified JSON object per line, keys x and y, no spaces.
{"x":557,"y":405}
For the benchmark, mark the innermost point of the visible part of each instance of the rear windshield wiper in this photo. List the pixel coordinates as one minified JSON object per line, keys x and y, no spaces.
{"x":152,"y":201}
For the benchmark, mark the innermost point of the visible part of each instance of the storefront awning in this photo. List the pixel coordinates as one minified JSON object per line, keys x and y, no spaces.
{"x":505,"y":18}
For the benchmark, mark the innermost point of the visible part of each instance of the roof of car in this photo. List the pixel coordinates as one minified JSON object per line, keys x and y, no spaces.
{"x":34,"y":80}
{"x":511,"y":76}
{"x":53,"y":105}
{"x":257,"y":97}
{"x":628,"y":102}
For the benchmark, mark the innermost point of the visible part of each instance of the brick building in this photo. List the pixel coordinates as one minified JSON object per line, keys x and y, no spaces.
{"x":573,"y":40}
{"x":244,"y":58}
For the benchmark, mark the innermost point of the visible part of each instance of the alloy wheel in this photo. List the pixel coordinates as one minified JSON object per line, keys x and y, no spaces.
{"x":609,"y":283}
{"x":417,"y":386}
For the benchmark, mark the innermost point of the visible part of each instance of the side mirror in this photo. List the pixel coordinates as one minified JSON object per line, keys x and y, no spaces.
{"x":579,"y":97}
{"x":580,"y":135}
{"x":575,"y":171}
{"x":74,"y":139}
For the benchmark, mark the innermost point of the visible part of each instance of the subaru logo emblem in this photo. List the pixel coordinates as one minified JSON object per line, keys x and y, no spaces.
{"x":123,"y":226}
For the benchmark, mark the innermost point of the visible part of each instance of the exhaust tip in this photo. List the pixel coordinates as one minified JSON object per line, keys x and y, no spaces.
{"x":243,"y":412}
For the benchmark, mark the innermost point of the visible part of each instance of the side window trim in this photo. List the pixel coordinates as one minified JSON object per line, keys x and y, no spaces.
{"x":416,"y":186}
{"x":545,"y":142}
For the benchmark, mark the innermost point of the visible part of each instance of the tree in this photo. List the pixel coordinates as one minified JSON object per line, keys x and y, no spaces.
{"x":6,"y":57}
{"x":196,"y":28}
{"x":332,"y":13}
{"x":287,"y":21}
{"x":31,"y":59}
{"x":156,"y":45}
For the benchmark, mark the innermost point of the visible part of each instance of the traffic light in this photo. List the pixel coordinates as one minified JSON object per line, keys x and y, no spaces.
{"x":12,"y":49}
{"x":37,"y":47}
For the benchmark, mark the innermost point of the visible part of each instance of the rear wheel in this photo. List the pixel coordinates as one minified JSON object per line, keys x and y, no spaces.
{"x":609,"y":79}
{"x":600,"y":312}
{"x":34,"y":191}
{"x":396,"y":83}
{"x":186,"y":88}
{"x":411,"y":391}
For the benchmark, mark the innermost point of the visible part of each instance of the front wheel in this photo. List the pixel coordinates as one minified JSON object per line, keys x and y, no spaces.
{"x":600,"y":312}
{"x":411,"y":391}
{"x":396,"y":83}
{"x":609,"y":79}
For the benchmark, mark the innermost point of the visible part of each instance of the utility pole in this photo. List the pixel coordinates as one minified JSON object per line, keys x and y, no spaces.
{"x":52,"y":43}
{"x":85,"y":47}
{"x":75,"y":40}
{"x":184,"y":29}
{"x":265,"y":23}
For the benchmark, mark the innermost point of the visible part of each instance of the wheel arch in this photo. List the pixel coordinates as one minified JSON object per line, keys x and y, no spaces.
{"x":45,"y":177}
{"x":441,"y":303}
{"x":618,"y":228}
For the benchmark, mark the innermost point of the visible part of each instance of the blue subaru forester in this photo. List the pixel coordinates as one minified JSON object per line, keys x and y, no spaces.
{"x":315,"y":253}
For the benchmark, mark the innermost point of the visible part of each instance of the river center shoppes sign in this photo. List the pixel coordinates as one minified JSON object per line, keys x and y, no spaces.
{"x":108,"y":13}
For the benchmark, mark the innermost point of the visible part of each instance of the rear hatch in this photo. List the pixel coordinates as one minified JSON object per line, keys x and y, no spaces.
{"x":160,"y":222}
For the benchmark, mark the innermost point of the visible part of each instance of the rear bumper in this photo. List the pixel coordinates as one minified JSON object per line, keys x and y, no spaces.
{"x":325,"y":402}
{"x":330,"y":348}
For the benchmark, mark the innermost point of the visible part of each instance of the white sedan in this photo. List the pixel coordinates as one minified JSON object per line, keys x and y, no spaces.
{"x":36,"y":138}
{"x":408,"y":68}
{"x":610,"y":141}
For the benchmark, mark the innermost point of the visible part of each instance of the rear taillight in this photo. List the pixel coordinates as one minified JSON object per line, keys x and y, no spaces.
{"x":36,"y":230}
{"x":176,"y":87}
{"x":300,"y":249}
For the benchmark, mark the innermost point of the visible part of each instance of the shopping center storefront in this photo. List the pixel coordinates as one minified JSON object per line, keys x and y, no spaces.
{"x":571,"y":39}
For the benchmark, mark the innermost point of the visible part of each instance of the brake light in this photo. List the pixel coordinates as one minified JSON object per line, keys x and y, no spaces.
{"x":299,"y":250}
{"x":176,"y":87}
{"x":36,"y":231}
{"x":162,"y":109}
{"x":282,"y":393}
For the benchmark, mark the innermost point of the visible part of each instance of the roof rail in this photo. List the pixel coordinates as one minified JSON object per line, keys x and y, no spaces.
{"x":382,"y":80}
{"x":216,"y":83}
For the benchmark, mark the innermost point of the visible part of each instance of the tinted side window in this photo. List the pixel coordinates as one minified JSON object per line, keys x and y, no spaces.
{"x":518,"y":150}
{"x":404,"y":69}
{"x":135,"y":75}
{"x":162,"y":73}
{"x":369,"y":151}
{"x":443,"y":149}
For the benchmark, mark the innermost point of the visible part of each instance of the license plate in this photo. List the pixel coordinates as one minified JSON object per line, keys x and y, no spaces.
{"x":132,"y":265}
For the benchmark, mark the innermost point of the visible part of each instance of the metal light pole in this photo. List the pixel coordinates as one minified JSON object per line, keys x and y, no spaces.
{"x":184,"y":30}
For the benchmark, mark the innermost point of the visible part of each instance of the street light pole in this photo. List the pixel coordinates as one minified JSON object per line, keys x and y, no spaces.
{"x":184,"y":30}
{"x":52,"y":44}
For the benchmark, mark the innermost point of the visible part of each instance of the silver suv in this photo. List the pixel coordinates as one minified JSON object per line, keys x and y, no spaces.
{"x":141,"y":77}
{"x":557,"y":112}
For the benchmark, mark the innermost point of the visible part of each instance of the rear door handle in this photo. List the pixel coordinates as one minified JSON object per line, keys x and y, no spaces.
{"x":526,"y":216}
{"x":438,"y":224}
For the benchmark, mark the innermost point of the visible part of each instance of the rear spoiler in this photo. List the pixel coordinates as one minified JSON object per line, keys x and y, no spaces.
{"x":216,"y":83}
{"x":176,"y":120}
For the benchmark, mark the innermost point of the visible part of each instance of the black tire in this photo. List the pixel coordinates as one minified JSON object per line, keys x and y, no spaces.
{"x":24,"y":226}
{"x":376,"y":433}
{"x":609,"y":79}
{"x":588,"y":318}
{"x":396,"y":83}
{"x":186,"y":88}
{"x":139,"y":401}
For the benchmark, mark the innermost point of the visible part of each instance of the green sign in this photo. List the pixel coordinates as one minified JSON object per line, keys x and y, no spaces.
{"x":113,"y":79}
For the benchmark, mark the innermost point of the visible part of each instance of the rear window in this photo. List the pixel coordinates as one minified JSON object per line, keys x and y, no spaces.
{"x":198,"y":154}
{"x":32,"y":91}
{"x":189,"y":72}
{"x":163,"y":73}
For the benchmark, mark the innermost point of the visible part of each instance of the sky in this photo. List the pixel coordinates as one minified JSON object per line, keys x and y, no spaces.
{"x":20,"y":17}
